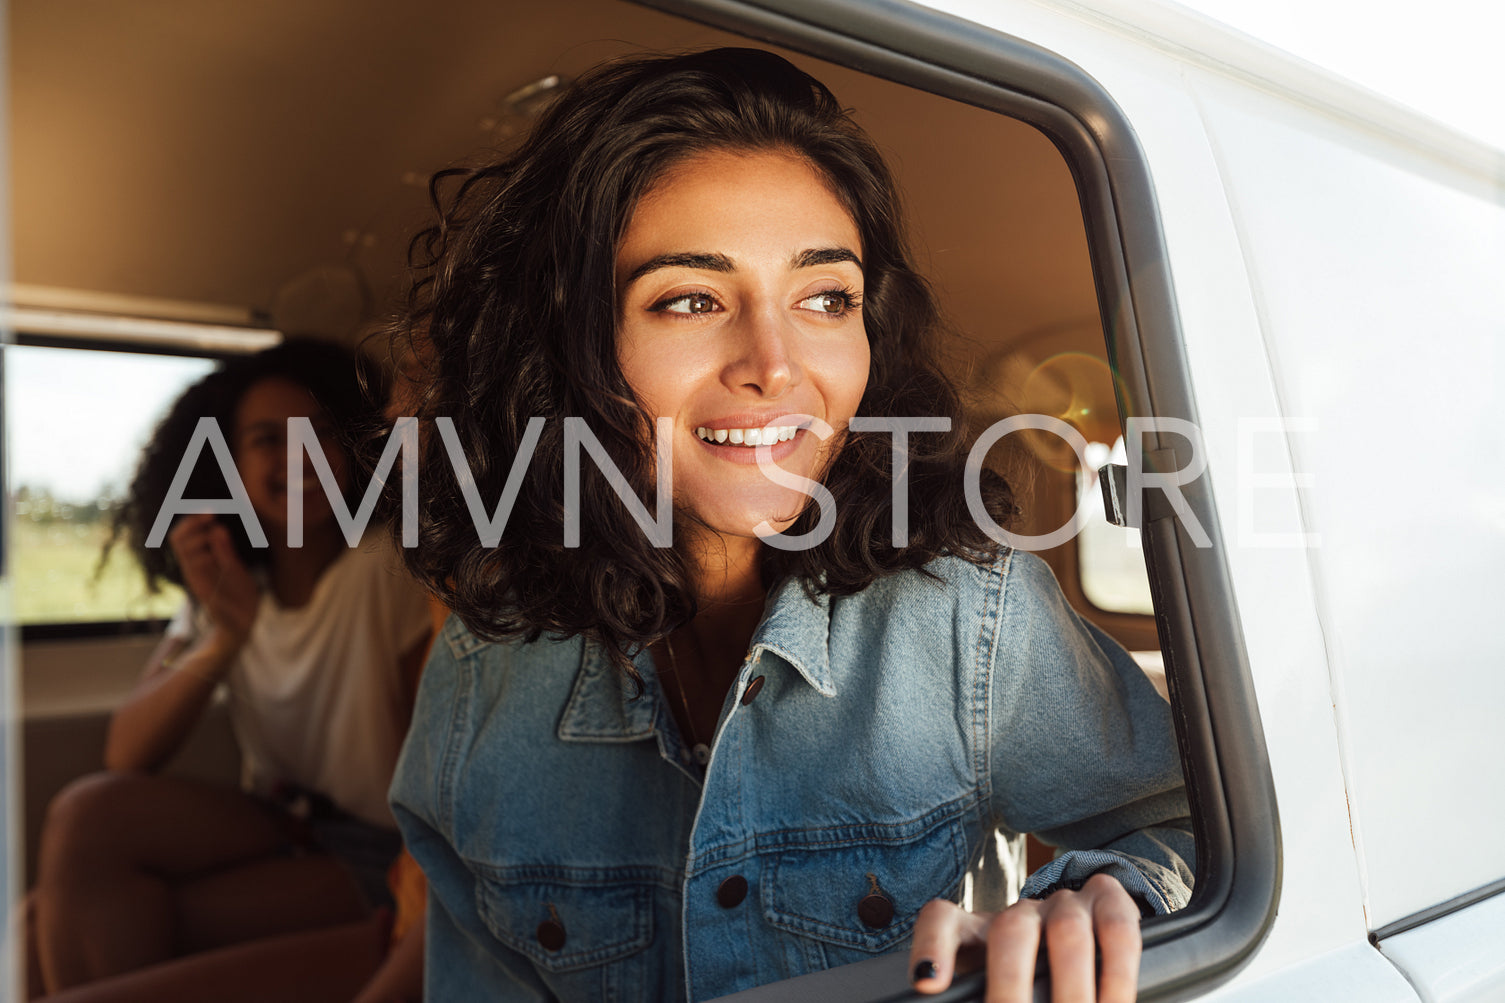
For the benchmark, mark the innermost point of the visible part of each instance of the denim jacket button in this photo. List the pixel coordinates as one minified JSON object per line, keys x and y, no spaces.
{"x":875,"y":911}
{"x":751,"y":693}
{"x":551,"y":935}
{"x":732,"y":891}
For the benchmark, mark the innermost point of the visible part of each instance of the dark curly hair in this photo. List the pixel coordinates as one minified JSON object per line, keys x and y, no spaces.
{"x":328,"y":372}
{"x":513,"y":313}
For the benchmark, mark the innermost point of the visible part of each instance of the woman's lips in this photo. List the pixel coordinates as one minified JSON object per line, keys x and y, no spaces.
{"x":783,"y":443}
{"x":762,"y":435}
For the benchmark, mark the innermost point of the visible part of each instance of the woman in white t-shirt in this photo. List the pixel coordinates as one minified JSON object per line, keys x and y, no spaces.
{"x":316,"y":648}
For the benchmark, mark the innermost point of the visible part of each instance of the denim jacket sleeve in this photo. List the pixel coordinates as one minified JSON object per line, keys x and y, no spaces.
{"x":462,"y":960}
{"x":1083,"y":749}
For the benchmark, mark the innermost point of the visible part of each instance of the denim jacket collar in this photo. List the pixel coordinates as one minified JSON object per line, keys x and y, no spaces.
{"x":797,"y":628}
{"x":602,"y":709}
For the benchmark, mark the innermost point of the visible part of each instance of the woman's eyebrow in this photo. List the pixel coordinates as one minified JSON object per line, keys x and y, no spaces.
{"x":710,"y":262}
{"x":691,"y":259}
{"x":825,"y":256}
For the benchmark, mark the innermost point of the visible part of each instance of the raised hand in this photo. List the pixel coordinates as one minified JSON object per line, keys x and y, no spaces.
{"x":215,"y":574}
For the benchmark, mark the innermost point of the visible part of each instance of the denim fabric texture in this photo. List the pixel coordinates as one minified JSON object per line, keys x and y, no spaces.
{"x":575,"y":851}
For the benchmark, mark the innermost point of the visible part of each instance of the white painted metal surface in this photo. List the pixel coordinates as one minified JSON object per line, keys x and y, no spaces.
{"x":1378,"y":272}
{"x":1353,"y":974}
{"x":1459,"y":958}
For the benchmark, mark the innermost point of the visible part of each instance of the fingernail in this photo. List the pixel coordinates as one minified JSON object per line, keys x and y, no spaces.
{"x":924,"y":970}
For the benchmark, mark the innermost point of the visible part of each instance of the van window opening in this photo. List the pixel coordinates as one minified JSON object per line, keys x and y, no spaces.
{"x":76,"y":421}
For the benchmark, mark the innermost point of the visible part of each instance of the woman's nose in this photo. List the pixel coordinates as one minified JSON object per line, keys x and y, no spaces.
{"x":765,"y":358}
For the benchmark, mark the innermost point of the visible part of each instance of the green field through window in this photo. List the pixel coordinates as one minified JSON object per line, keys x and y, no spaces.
{"x":76,"y":421}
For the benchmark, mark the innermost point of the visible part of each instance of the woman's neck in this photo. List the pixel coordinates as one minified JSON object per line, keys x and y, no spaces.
{"x":702,"y":657}
{"x":295,"y":571}
{"x":728,"y":570}
{"x":729,"y":588}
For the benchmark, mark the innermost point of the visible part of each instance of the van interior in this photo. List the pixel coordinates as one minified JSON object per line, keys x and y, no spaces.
{"x":187,"y":178}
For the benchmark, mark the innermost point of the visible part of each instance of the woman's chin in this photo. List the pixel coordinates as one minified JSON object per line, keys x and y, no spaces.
{"x":318,"y":521}
{"x":745,"y":527}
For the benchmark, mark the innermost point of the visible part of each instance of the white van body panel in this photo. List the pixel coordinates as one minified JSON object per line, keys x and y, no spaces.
{"x":1317,"y":236}
{"x":1405,"y":313}
{"x":1352,"y":973}
{"x":1456,"y":956}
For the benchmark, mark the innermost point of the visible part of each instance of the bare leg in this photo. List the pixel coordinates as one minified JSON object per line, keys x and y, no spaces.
{"x":135,"y":867}
{"x":320,"y":966}
{"x":264,"y":898}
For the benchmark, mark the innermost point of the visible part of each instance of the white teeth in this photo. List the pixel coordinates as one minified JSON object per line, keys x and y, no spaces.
{"x":748,"y":436}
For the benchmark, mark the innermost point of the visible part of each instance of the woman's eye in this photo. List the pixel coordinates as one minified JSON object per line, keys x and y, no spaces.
{"x":688,"y":303}
{"x":834,"y":302}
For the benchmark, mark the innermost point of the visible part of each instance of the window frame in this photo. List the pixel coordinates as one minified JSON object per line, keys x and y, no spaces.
{"x":75,"y":630}
{"x":1212,"y":693}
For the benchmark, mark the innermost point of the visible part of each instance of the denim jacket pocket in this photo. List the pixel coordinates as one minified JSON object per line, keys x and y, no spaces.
{"x":564,"y":923}
{"x":859,"y":889}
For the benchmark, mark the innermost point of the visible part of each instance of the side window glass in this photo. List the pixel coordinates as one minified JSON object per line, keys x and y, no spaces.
{"x":76,"y":421}
{"x":1110,"y":558}
{"x":1077,"y":387}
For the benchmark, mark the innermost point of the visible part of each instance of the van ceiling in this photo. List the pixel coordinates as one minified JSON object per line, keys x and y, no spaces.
{"x":272,"y":156}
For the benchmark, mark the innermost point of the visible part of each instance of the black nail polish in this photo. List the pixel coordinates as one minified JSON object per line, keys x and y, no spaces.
{"x":924,"y":970}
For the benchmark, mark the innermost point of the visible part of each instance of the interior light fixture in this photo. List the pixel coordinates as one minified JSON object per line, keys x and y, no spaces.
{"x":99,"y":327}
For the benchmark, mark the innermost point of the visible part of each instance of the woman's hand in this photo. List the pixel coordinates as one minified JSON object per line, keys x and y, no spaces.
{"x":215,"y":574}
{"x":1102,"y":916}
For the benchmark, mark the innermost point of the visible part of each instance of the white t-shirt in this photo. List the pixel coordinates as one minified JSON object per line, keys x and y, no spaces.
{"x":316,"y":695}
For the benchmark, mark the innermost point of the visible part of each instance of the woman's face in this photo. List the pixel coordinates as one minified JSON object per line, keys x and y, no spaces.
{"x":260,"y":445}
{"x":739,"y":285}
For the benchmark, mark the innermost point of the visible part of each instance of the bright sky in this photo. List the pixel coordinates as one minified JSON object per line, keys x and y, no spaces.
{"x":1440,"y":57}
{"x":76,"y":421}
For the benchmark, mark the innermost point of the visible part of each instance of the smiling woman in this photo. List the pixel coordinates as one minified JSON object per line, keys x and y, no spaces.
{"x":663,"y":772}
{"x":314,"y":647}
{"x":518,"y":312}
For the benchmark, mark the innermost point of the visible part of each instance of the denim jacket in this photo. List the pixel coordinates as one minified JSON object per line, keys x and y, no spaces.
{"x":871,"y":751}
